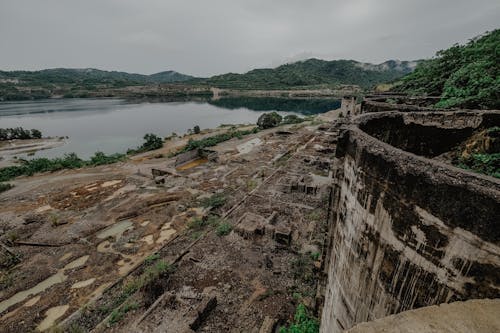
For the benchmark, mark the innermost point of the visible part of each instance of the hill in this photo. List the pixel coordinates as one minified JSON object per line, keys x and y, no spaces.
{"x":68,"y":82}
{"x":464,"y":76}
{"x":314,"y":72}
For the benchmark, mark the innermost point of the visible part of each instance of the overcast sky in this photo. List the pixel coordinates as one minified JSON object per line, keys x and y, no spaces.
{"x":217,"y":36}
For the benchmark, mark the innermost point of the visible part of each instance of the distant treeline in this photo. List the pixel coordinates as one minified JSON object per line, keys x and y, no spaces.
{"x":19,"y":133}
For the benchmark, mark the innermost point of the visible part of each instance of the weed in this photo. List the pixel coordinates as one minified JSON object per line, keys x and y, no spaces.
{"x":151,"y":258}
{"x":118,"y":314}
{"x":315,"y":256}
{"x":251,"y":184}
{"x":197,"y":223}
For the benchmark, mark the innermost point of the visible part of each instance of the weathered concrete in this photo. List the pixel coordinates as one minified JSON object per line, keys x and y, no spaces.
{"x":474,"y":316}
{"x":390,"y":102}
{"x":406,"y":231}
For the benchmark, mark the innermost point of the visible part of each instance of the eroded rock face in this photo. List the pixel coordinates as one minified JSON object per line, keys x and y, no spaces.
{"x":406,"y":232}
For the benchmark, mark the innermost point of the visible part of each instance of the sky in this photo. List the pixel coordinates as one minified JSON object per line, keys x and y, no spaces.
{"x":205,"y":38}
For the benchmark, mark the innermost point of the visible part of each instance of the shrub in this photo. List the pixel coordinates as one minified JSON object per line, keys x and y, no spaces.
{"x":303,"y":322}
{"x":269,"y":120}
{"x":292,"y":119}
{"x":215,"y":201}
{"x":151,"y":142}
{"x":196,"y":129}
{"x":5,"y":187}
{"x":223,"y":229}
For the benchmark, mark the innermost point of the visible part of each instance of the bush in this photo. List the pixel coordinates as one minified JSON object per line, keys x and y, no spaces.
{"x":303,"y":322}
{"x":5,"y":187}
{"x":19,"y":133}
{"x":68,"y":161}
{"x":292,"y":119}
{"x":196,"y":129}
{"x":223,"y":229}
{"x":488,"y":164}
{"x":151,"y":142}
{"x":269,"y":120}
{"x":215,"y":201}
{"x":215,"y":140}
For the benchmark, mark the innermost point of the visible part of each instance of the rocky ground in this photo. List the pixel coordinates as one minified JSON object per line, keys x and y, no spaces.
{"x":230,"y":244}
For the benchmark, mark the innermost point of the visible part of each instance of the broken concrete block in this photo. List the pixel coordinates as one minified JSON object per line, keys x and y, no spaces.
{"x":283,"y":235}
{"x":251,"y":225}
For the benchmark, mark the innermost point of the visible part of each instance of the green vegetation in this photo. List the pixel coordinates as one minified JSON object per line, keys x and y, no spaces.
{"x":292,"y":119}
{"x":303,"y":322}
{"x":68,"y":161}
{"x":118,"y":314}
{"x":196,"y":129}
{"x":223,"y":229}
{"x":5,"y":187}
{"x":488,"y":164}
{"x":156,"y":271}
{"x":312,"y":73}
{"x":465,"y":76}
{"x":215,"y":201}
{"x":151,"y":142}
{"x":269,"y":120}
{"x":216,"y":139}
{"x":19,"y":133}
{"x":74,"y":82}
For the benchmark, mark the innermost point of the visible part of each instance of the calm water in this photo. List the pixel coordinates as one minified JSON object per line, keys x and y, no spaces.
{"x":113,"y":125}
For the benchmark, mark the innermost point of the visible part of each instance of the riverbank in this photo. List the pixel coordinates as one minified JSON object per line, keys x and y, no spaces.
{"x":9,"y":150}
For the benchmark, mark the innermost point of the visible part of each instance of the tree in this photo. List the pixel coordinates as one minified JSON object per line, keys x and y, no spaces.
{"x":152,"y":142}
{"x":36,"y":134}
{"x":196,"y":129}
{"x":269,"y":120}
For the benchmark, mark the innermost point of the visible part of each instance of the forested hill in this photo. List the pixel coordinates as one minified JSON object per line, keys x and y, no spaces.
{"x":68,"y":82}
{"x":88,"y":76}
{"x":314,"y":72}
{"x":464,"y":75}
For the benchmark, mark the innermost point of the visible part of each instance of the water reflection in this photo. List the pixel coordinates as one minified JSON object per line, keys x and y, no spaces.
{"x":114,"y":125}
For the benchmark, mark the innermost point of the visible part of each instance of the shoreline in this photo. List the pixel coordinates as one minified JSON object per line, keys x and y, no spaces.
{"x":9,"y":149}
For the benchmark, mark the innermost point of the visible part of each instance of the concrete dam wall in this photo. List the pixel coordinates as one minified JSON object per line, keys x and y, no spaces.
{"x":408,"y":231}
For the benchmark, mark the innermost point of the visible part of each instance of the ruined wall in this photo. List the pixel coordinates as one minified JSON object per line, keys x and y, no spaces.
{"x":407,"y":231}
{"x":381,"y":103}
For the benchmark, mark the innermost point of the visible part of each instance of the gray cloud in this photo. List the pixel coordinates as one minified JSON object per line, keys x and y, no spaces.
{"x":212,"y":37}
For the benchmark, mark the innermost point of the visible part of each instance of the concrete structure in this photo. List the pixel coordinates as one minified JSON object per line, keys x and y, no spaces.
{"x":348,"y":106}
{"x":407,"y":231}
{"x":480,"y":316}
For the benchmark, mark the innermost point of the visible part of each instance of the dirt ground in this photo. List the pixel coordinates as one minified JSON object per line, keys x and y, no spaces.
{"x":227,"y":245}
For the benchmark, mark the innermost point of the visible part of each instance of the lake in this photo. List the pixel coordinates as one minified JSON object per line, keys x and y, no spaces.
{"x":114,"y":125}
